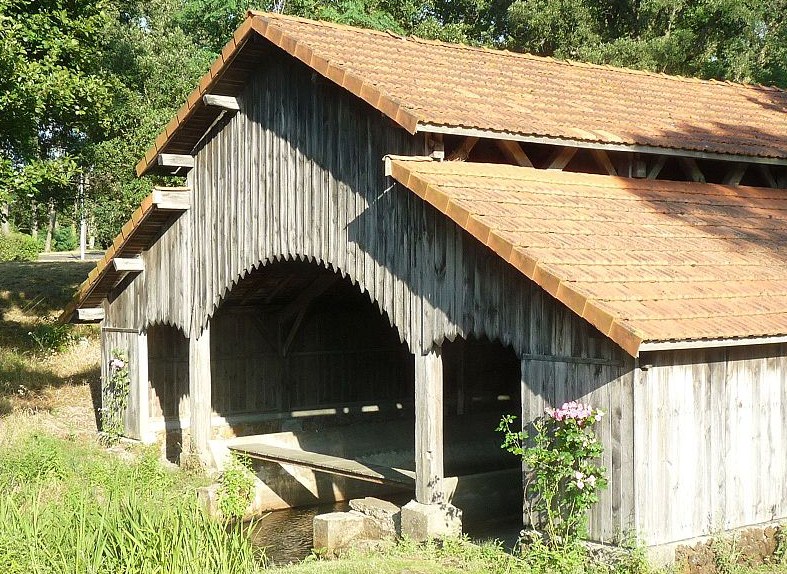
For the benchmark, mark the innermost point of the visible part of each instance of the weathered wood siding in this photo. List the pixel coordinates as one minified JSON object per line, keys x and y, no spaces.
{"x":162,"y":293}
{"x":298,"y":172}
{"x":129,"y":344}
{"x":568,"y":361}
{"x":710,"y":441}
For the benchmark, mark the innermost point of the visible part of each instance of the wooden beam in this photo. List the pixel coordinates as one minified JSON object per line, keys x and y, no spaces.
{"x":462,"y":152}
{"x":514,"y":153}
{"x":656,"y":168}
{"x":603,"y":161}
{"x":223,"y":102}
{"x":175,"y":160}
{"x":561,"y":158}
{"x":172,"y":199}
{"x":200,"y":408}
{"x":735,"y":174}
{"x":90,"y":315}
{"x":765,"y":172}
{"x":781,"y":178}
{"x":429,"y":427}
{"x":692,"y":170}
{"x":128,"y":264}
{"x":317,"y":287}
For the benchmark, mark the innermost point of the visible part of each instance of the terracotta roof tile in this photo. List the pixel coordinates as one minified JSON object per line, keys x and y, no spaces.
{"x":642,"y":260}
{"x":420,"y":83}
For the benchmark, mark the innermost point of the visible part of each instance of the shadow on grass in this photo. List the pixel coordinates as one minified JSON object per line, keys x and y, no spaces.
{"x":26,"y":384}
{"x":31,"y":293}
{"x":40,"y":288}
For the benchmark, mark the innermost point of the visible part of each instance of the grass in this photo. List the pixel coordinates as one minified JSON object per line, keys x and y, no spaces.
{"x":69,"y":505}
{"x":438,"y":557}
{"x":72,"y":506}
{"x":45,"y":367}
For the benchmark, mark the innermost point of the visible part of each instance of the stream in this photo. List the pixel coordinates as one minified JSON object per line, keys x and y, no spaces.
{"x":286,"y":535}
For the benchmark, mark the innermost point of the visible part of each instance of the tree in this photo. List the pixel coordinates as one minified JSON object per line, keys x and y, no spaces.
{"x":53,"y":99}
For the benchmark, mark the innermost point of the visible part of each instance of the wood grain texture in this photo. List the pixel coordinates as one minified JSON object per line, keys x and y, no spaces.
{"x":710,"y":428}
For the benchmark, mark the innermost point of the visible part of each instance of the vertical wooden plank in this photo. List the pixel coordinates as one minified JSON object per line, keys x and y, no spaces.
{"x":429,"y":427}
{"x":142,"y":385}
{"x":200,"y":391}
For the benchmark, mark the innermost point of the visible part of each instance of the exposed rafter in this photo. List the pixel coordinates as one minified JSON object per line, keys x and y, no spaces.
{"x":603,"y":161}
{"x":655,"y":169}
{"x":692,"y":170}
{"x":767,"y":174}
{"x":462,"y":152}
{"x":514,"y":153}
{"x":561,"y":158}
{"x":735,"y":174}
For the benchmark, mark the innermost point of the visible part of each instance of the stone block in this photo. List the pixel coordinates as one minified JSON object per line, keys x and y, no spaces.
{"x":336,"y":531}
{"x":383,"y":518}
{"x":424,"y":521}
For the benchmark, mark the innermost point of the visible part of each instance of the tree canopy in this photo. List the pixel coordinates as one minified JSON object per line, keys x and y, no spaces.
{"x":85,"y":85}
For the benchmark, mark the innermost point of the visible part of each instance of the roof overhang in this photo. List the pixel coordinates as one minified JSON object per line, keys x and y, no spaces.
{"x":498,"y":204}
{"x":261,"y":34}
{"x":585,"y":144}
{"x":121,"y":261}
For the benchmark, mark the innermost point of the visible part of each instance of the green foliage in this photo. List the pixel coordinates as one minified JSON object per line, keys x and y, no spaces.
{"x":114,"y":392}
{"x":67,"y":507}
{"x":65,"y":238}
{"x":236,"y":487}
{"x":51,"y":337}
{"x":780,"y":554}
{"x":18,"y":247}
{"x":563,"y":478}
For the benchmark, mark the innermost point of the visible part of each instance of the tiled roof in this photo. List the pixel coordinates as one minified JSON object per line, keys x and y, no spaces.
{"x":148,"y":222}
{"x":421,"y":83}
{"x":643,"y":261}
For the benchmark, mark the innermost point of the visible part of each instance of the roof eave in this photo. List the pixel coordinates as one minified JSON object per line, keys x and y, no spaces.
{"x":689,"y":344}
{"x":587,"y":144}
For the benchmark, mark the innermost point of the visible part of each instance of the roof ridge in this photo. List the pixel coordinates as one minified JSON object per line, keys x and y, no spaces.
{"x":518,"y":55}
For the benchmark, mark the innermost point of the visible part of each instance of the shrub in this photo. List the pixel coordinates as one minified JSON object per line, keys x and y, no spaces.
{"x":18,"y":247}
{"x":236,"y":487}
{"x":563,"y":479}
{"x":65,"y":239}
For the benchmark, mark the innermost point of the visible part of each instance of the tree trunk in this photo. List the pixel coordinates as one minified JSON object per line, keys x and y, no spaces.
{"x":34,"y":215}
{"x":50,"y":228}
{"x":5,"y":226}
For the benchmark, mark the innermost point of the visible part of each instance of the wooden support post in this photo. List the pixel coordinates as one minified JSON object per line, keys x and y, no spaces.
{"x":561,"y":158}
{"x":141,"y":391}
{"x":200,"y":392}
{"x":429,"y":427}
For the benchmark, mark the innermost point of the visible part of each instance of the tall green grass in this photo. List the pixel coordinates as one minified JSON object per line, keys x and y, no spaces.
{"x":70,"y":508}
